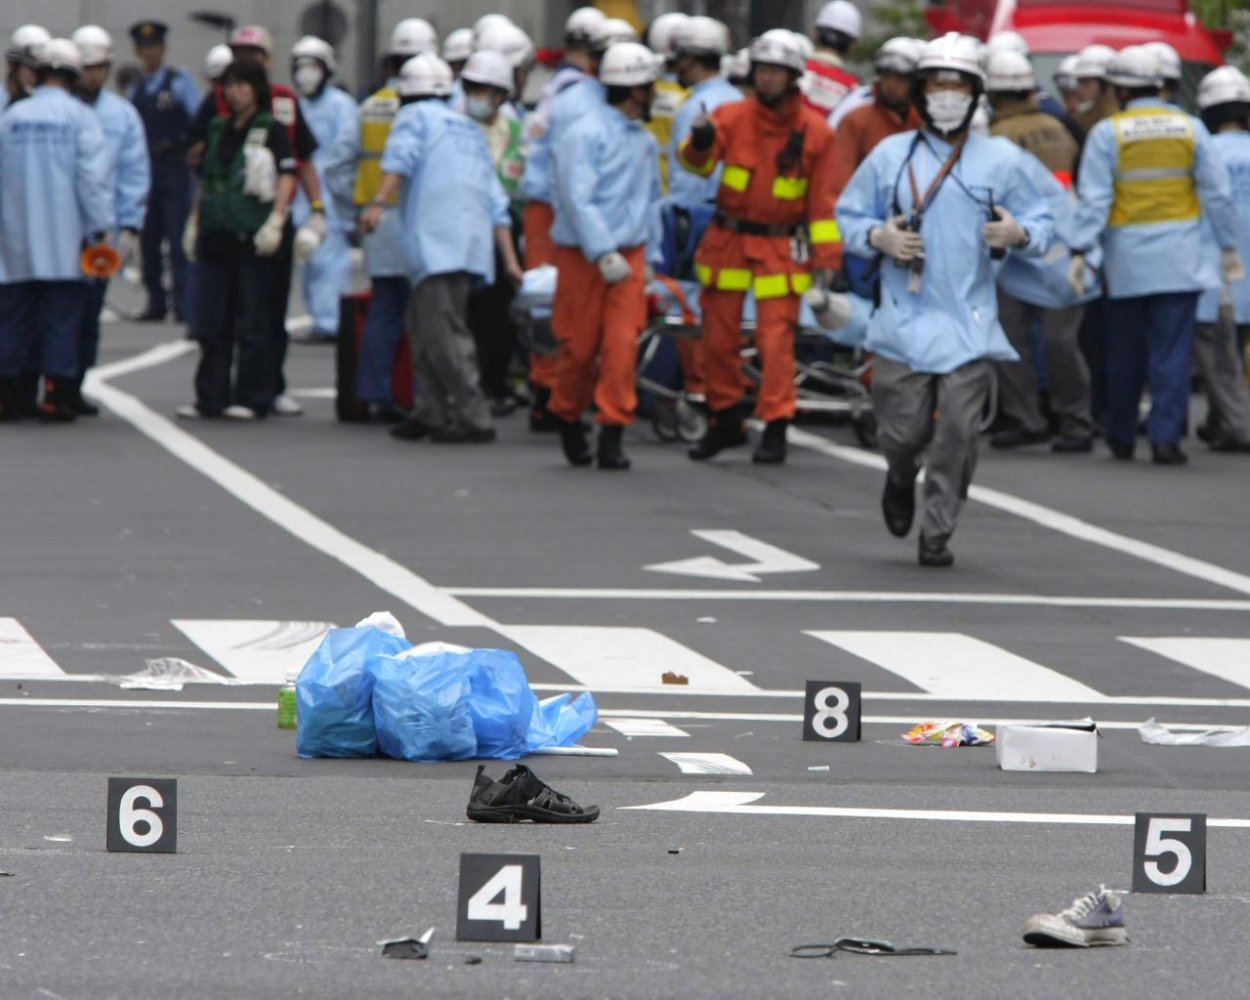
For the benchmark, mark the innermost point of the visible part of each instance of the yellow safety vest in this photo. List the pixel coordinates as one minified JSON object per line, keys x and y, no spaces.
{"x":376,"y":115}
{"x":1154,"y":173}
{"x":669,"y":96}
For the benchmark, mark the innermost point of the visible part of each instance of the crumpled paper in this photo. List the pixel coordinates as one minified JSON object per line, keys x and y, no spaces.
{"x":948,"y":734}
{"x":1155,"y":732}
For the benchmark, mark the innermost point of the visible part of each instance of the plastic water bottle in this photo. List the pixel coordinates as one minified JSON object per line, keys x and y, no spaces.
{"x":286,"y":705}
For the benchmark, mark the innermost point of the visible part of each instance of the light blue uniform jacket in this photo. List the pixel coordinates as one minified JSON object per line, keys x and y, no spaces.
{"x":953,"y":320}
{"x":1234,"y":152}
{"x":572,"y":95}
{"x":1154,"y":258}
{"x":451,"y":200}
{"x":684,"y":186}
{"x":334,"y":121}
{"x":55,"y":185}
{"x":607,"y":185}
{"x":128,"y":163}
{"x":181,"y":84}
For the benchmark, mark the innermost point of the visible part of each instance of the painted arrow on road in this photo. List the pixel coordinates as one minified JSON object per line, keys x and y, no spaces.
{"x":765,"y":559}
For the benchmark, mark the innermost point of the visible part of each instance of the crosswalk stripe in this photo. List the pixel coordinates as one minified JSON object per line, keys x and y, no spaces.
{"x":644,"y":727}
{"x":630,"y":658}
{"x":956,"y":666}
{"x":707,"y":763}
{"x":21,"y":657}
{"x":1228,"y":659}
{"x":256,"y":652}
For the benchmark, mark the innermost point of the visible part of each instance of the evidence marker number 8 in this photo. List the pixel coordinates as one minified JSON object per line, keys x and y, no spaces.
{"x":832,"y":711}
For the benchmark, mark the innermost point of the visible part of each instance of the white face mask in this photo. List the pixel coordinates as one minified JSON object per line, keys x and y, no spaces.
{"x":947,"y":109}
{"x":307,"y":79}
{"x":480,"y":109}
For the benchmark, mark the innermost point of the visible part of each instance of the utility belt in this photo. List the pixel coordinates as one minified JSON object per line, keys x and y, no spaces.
{"x":167,"y":149}
{"x":746,"y":228}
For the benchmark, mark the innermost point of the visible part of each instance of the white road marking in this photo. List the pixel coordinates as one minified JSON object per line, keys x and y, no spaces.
{"x":765,"y":559}
{"x":256,"y":652}
{"x":22,"y":658}
{"x":707,"y":763}
{"x":138,"y":705}
{"x":743,"y":804}
{"x":957,"y":667}
{"x":1228,"y":659}
{"x":644,"y":727}
{"x":1053,"y":519}
{"x":600,"y":656}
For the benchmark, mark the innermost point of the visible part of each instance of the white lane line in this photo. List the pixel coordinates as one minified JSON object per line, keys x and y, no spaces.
{"x":707,"y":763}
{"x":1228,"y":659}
{"x":137,"y":705}
{"x":600,"y":656}
{"x":644,"y":727}
{"x":22,"y":658}
{"x":1053,"y":519}
{"x":256,"y":652}
{"x":956,"y":666}
{"x":742,"y":804}
{"x":764,"y":558}
{"x":382,"y":571}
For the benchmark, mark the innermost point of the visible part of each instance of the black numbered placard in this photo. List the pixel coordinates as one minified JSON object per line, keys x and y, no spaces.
{"x":831,"y":711}
{"x":1170,"y":852}
{"x":500,"y":898}
{"x":143,"y":815}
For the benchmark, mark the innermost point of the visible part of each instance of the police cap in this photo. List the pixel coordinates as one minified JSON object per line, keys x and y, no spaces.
{"x":149,"y":32}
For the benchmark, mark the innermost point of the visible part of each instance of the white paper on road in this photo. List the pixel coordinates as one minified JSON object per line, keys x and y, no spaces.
{"x":1157,"y":733}
{"x":167,"y":673}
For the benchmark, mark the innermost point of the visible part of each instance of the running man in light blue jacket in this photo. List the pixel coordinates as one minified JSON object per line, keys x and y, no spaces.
{"x":936,"y":207}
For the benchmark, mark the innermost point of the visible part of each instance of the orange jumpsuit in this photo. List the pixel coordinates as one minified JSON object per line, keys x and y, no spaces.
{"x":758,"y":191}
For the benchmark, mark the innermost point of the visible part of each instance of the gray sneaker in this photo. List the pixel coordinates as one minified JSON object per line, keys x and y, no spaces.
{"x":1095,"y":919}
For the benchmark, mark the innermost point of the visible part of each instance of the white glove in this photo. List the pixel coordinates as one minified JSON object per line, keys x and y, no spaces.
{"x":895,"y":241}
{"x":129,"y":250}
{"x":260,"y":173}
{"x":1231,"y":267}
{"x":1076,"y":274}
{"x":268,"y":237}
{"x":833,"y":311}
{"x":614,"y":268}
{"x":190,"y":234}
{"x":1004,"y":232}
{"x":310,"y":235}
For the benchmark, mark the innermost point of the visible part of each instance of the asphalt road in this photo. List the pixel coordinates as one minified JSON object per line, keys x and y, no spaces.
{"x":1082,"y":587}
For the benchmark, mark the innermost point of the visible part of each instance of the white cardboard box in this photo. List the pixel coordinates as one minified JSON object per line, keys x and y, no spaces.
{"x":1048,"y":746}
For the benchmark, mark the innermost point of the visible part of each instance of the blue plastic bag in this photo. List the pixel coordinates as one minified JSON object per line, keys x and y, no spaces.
{"x":501,"y":703}
{"x":559,"y":722}
{"x":421,"y":707}
{"x":334,"y":691}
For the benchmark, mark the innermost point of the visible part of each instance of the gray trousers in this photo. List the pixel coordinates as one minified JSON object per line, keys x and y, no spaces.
{"x":1067,"y":375}
{"x":919,"y":410}
{"x":444,"y":359}
{"x":1218,"y":356}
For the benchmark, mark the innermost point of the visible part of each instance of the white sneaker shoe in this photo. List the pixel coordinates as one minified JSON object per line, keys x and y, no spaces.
{"x":285,"y":406}
{"x":188,"y":411}
{"x":237,"y":412}
{"x":1095,"y":919}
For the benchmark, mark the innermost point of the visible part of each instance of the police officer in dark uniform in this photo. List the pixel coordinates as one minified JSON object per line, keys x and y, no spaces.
{"x":166,"y":98}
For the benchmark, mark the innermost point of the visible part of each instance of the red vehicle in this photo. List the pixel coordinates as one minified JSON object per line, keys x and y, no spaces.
{"x":1057,"y":28}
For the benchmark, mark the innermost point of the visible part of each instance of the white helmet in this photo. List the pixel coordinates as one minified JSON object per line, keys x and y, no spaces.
{"x":24,"y":41}
{"x":628,"y":64}
{"x":490,"y":68}
{"x":1134,"y":66}
{"x":1169,"y":60}
{"x":612,"y":31}
{"x":488,"y":23}
{"x":702,"y":36}
{"x":778,"y":47}
{"x":841,"y":15}
{"x":1065,"y":73}
{"x":312,"y":47}
{"x":1008,"y":71}
{"x":94,"y":43}
{"x":512,"y":41}
{"x":425,"y":75}
{"x":805,"y":44}
{"x":216,"y":61}
{"x":458,"y":46}
{"x":953,"y":52}
{"x":1092,"y":61}
{"x":1006,"y":41}
{"x":412,"y":36}
{"x":581,"y":24}
{"x":898,"y":55}
{"x":736,"y":65}
{"x":60,"y":54}
{"x":1225,"y":85}
{"x":662,"y":34}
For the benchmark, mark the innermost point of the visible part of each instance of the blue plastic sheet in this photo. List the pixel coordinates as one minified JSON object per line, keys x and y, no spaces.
{"x":421,"y":708}
{"x":561,"y":722}
{"x":334,"y":693}
{"x":500,"y":702}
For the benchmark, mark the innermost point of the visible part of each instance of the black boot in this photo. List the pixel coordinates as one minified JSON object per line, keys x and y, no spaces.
{"x":57,"y":406}
{"x":724,"y":430}
{"x":610,"y":455}
{"x":28,"y":394}
{"x":772,"y":447}
{"x":82,"y":407}
{"x":898,"y":506}
{"x":573,"y":441}
{"x":8,"y":400}
{"x":542,"y":420}
{"x":935,"y":554}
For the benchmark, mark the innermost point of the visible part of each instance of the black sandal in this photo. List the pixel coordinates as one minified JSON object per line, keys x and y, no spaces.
{"x":520,"y":795}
